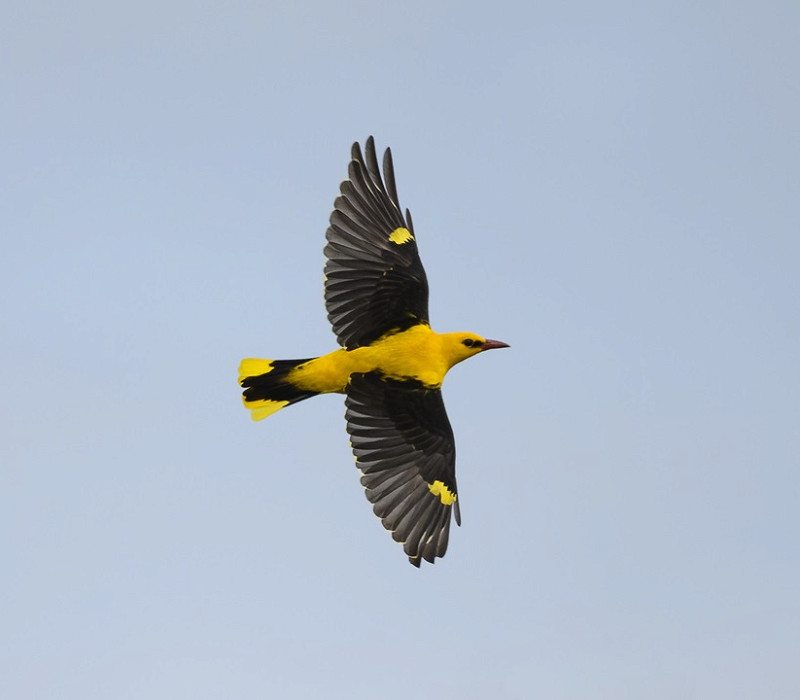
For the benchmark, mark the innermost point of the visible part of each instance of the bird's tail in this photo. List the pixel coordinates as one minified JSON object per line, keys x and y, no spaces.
{"x":268,"y":387}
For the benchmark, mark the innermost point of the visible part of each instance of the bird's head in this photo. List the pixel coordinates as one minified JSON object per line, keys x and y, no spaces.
{"x":460,"y":346}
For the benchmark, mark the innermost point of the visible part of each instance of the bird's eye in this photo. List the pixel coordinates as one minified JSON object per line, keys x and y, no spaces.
{"x":469,"y":342}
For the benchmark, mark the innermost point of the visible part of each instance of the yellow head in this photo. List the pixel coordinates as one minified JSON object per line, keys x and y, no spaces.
{"x":457,"y":347}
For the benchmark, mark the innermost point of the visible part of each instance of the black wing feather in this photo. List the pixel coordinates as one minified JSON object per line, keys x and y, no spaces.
{"x":373,"y":286}
{"x":403,"y":444}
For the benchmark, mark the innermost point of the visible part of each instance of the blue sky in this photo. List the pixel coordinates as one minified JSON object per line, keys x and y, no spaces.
{"x":611,"y":188}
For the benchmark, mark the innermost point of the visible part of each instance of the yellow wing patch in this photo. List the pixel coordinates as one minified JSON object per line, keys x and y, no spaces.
{"x":446,"y":496}
{"x":262,"y":408}
{"x":400,"y":236}
{"x":252,"y":367}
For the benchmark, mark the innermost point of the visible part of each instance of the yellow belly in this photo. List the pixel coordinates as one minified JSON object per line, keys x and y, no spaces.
{"x":413,"y":354}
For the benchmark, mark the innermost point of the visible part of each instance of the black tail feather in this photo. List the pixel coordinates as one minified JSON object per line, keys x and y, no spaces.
{"x":267,"y":386}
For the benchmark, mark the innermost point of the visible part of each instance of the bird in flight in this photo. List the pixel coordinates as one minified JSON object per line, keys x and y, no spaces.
{"x":390,"y":365}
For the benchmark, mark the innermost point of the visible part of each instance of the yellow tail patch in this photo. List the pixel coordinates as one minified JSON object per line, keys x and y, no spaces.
{"x":268,"y":386}
{"x":446,"y":496}
{"x":262,"y":408}
{"x":252,"y":367}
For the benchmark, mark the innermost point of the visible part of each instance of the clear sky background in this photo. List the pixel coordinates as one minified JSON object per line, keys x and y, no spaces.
{"x":612,"y":188}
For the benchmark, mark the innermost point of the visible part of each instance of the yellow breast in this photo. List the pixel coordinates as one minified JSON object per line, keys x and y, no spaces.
{"x":416,"y":353}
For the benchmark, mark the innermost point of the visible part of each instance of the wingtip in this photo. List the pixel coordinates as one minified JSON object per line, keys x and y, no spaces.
{"x":355,"y":152}
{"x":369,"y":148}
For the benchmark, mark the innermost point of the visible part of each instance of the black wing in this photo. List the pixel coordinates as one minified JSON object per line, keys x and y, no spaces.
{"x":374,"y":279}
{"x":404,"y":448}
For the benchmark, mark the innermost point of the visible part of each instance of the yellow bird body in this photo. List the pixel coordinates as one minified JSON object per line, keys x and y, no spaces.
{"x":418,"y":354}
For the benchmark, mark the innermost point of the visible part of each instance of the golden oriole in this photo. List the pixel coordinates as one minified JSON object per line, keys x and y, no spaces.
{"x":390,"y":366}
